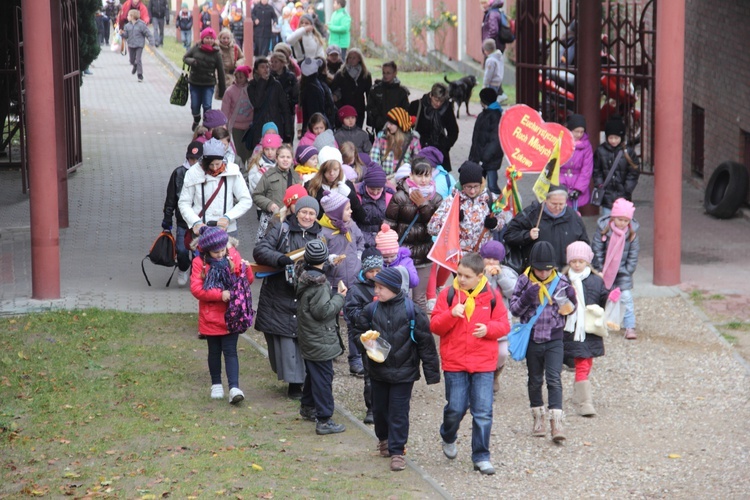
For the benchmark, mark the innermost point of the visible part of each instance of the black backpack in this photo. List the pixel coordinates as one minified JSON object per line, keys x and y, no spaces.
{"x":505,"y":32}
{"x":163,"y":253}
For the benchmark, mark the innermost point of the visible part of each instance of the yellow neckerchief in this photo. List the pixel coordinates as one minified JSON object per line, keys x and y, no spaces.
{"x":325,"y":221}
{"x":469,"y":305}
{"x":542,"y":284}
{"x":304,"y":170}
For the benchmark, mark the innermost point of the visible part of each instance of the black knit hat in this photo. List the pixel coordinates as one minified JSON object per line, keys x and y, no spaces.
{"x":488,"y":95}
{"x":316,"y":252}
{"x":469,"y":173}
{"x":389,"y":277}
{"x":542,"y":256}
{"x":371,"y":259}
{"x":615,"y":126}
{"x":575,"y":121}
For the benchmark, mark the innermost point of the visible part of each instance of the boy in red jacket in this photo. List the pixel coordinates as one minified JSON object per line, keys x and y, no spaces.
{"x":469,"y":318}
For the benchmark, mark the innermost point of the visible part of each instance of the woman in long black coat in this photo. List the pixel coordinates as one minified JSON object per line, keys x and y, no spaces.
{"x":269,"y":102}
{"x":352,"y":83}
{"x":264,"y":16}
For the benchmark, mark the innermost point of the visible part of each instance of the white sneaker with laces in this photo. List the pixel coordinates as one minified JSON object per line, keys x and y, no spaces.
{"x":235,"y":395}
{"x":183,"y":277}
{"x":217,"y":391}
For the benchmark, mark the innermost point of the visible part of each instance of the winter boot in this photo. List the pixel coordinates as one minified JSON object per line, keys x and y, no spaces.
{"x":196,"y":121}
{"x":539,"y":429}
{"x":556,"y":425}
{"x":496,"y":381}
{"x":582,"y":398}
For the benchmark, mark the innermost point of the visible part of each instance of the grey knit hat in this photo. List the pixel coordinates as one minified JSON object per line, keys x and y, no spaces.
{"x":308,"y":202}
{"x":316,"y":252}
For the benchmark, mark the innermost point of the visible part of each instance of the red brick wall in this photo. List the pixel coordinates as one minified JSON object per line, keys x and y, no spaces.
{"x":717,"y":78}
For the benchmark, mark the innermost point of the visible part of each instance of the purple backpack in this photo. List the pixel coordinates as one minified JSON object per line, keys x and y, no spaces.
{"x":239,"y":315}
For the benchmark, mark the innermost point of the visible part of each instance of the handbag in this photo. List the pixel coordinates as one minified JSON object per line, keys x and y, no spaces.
{"x":180,"y":92}
{"x":189,"y":234}
{"x":239,"y":315}
{"x":520,"y":334}
{"x":597,"y":195}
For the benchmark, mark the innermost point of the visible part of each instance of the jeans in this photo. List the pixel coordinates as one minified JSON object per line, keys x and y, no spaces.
{"x":158,"y":23}
{"x":492,"y":182}
{"x":226,"y":344}
{"x":390,"y":411}
{"x":469,"y":391}
{"x":542,"y":360}
{"x":318,"y":388}
{"x":201,"y":96}
{"x":187,"y":38}
{"x":135,"y":59}
{"x":183,"y":254}
{"x":626,"y":301}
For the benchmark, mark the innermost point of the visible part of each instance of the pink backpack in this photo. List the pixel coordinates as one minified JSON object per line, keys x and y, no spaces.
{"x":239,"y":316}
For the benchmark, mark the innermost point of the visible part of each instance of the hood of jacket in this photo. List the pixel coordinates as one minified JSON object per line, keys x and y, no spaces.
{"x":310,"y":276}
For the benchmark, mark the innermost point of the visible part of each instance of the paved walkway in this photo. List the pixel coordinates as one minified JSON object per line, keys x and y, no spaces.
{"x":132,"y":140}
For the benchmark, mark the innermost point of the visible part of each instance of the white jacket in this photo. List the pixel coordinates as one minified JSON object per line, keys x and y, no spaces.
{"x":198,"y":185}
{"x":305,"y":44}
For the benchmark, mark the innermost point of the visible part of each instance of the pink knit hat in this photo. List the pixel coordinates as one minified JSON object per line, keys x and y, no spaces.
{"x":386,"y":240}
{"x":208,"y":32}
{"x":622,"y":208}
{"x":271,"y":141}
{"x":579,"y":250}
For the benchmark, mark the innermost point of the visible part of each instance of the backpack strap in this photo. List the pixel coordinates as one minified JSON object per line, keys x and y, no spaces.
{"x":452,"y":294}
{"x":409,"y":314}
{"x":143,"y":268}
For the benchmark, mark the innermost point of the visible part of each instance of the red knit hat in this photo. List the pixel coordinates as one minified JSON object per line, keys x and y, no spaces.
{"x":294,"y":193}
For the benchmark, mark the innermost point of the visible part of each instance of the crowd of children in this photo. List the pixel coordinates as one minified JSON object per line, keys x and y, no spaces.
{"x":343,"y":233}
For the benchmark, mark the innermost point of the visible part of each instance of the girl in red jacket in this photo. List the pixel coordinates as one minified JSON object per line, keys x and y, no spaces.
{"x":210,"y":283}
{"x":469,"y":317}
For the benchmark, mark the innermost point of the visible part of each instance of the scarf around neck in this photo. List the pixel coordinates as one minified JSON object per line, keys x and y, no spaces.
{"x":354,"y":71}
{"x":614,"y":254}
{"x":470,"y":303}
{"x":305,"y":170}
{"x":218,"y":274}
{"x":543,"y":292}
{"x":339,"y":226}
{"x":577,"y":322}
{"x":427,"y":191}
{"x":216,"y":173}
{"x":208,"y":48}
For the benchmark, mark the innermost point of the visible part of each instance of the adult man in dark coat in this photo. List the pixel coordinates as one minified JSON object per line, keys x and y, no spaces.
{"x":385,"y":95}
{"x":268,"y":99}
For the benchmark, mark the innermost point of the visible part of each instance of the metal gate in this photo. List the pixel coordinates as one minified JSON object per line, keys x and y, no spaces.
{"x":546,"y":64}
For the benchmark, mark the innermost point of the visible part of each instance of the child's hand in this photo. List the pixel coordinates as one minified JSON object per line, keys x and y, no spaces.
{"x":530,"y":294}
{"x":458,"y":311}
{"x":492,"y":270}
{"x":225,"y":296}
{"x":480,"y":331}
{"x":417,"y":198}
{"x":273,"y":208}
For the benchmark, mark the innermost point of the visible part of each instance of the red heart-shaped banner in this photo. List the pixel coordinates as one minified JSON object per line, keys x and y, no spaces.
{"x":528,"y":140}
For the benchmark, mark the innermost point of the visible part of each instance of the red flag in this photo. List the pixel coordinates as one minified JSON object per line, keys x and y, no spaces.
{"x":446,"y":251}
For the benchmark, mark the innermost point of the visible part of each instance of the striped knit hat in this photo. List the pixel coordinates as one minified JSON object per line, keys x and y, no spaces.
{"x":400,"y":117}
{"x":386,"y":240}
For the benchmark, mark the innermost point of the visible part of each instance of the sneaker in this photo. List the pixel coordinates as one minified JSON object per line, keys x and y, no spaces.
{"x":135,"y":68}
{"x":450,"y":450}
{"x":369,"y":419}
{"x":87,"y":72}
{"x":217,"y":391}
{"x":140,"y":78}
{"x":328,"y":427}
{"x":383,"y":448}
{"x":502,"y":98}
{"x":630,"y":334}
{"x":430,"y":305}
{"x":235,"y":395}
{"x":398,"y":462}
{"x":183,"y":277}
{"x":485,"y":467}
{"x":308,"y":413}
{"x":357,"y":370}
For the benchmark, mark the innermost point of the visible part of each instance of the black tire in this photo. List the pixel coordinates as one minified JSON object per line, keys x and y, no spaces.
{"x":726,"y":190}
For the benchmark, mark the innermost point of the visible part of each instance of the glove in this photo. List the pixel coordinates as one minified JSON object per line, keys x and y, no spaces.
{"x":285,"y":261}
{"x":460,"y":216}
{"x":166,"y":224}
{"x":490,"y":222}
{"x":574,"y":194}
{"x":531,"y":294}
{"x":614,"y":295}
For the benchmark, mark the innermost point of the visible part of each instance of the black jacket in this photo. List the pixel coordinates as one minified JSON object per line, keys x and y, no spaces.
{"x":383,"y":98}
{"x":625,"y":178}
{"x":402,"y":364}
{"x":594,"y":292}
{"x":561,"y":232}
{"x":352,"y":92}
{"x":436,"y":127}
{"x":359,"y":295}
{"x":277,"y":306}
{"x":270,"y":105}
{"x":159,"y":9}
{"x":291,"y":90}
{"x":174,"y":188}
{"x":485,"y":142}
{"x":265,"y":14}
{"x":315,"y":97}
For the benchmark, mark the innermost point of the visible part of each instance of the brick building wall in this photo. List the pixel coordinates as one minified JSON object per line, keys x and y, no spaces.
{"x":717,"y":79}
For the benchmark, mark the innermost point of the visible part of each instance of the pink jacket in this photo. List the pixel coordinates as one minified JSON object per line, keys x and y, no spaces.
{"x":211,"y":308}
{"x":576,"y":173}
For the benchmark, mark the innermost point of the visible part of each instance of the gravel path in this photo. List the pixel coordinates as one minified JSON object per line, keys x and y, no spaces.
{"x":674,"y":421}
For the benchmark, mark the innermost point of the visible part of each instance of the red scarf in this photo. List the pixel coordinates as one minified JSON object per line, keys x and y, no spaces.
{"x":216,"y":173}
{"x":208,"y":48}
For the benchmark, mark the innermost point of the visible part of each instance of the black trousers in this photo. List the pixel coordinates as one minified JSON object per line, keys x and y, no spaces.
{"x":318,"y":388}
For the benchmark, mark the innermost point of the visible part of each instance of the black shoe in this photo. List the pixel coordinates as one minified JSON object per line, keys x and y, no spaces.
{"x":135,"y":68}
{"x":357,"y":370}
{"x":329,"y":427}
{"x":295,"y":391}
{"x":368,"y":418}
{"x":140,"y":78}
{"x":308,"y":413}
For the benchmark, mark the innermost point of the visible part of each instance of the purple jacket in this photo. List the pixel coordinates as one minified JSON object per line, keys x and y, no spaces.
{"x":550,"y":324}
{"x":491,"y":24}
{"x":403,"y":259}
{"x":576,"y":173}
{"x":374,"y":212}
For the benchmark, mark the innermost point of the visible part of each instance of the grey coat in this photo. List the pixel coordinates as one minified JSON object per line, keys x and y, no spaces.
{"x":136,"y":34}
{"x":599,"y":245}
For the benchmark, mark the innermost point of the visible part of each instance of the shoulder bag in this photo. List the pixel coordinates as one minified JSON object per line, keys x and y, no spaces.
{"x":520,"y":334}
{"x":597,"y":195}
{"x":189,"y":235}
